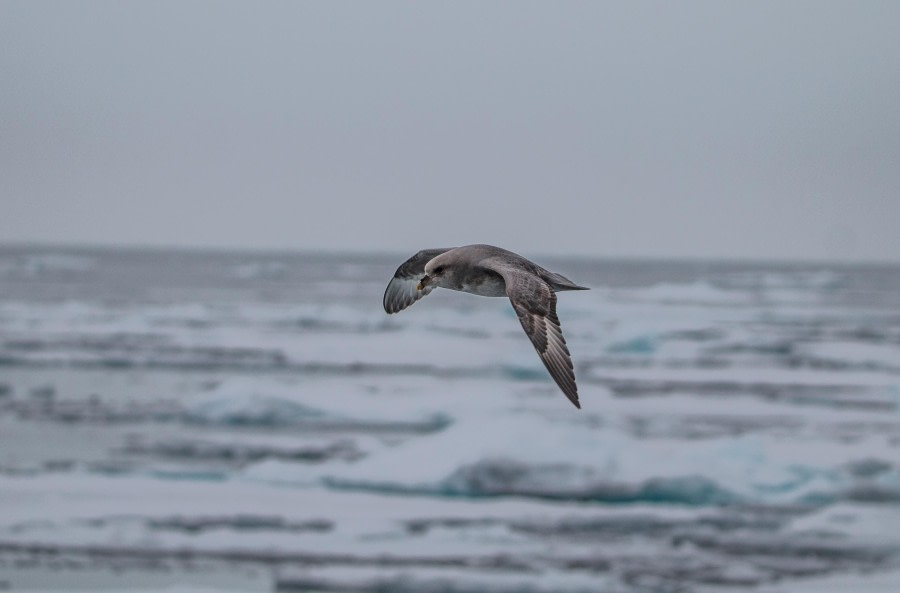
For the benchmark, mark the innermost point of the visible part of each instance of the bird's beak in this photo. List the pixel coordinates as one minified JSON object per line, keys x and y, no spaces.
{"x":425,"y":281}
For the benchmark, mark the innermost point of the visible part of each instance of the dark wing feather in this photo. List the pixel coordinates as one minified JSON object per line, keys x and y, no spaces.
{"x":401,"y":290}
{"x":535,"y":303}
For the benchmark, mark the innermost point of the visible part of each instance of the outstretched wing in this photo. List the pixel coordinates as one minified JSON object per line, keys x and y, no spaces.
{"x":401,"y":290}
{"x":535,"y":304}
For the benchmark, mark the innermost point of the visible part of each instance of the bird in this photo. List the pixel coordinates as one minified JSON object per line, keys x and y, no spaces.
{"x":490,"y":271}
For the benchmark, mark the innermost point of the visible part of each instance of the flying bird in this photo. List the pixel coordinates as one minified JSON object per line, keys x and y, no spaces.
{"x":491,"y":271}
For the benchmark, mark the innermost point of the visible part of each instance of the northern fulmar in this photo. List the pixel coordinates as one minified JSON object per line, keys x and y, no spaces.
{"x":486,"y":270}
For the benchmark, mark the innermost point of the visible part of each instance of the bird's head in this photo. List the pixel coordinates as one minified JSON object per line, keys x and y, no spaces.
{"x":437,"y":272}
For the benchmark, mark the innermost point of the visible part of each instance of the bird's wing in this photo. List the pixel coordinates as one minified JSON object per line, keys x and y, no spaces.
{"x":535,"y":304}
{"x":401,"y":291}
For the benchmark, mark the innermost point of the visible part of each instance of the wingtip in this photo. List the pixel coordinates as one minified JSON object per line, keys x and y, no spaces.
{"x":572,"y":396}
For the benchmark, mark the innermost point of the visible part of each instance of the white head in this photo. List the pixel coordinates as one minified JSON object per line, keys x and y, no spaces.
{"x":438,"y":271}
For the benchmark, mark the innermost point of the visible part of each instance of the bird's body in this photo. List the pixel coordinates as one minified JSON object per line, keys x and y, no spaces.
{"x":486,"y":270}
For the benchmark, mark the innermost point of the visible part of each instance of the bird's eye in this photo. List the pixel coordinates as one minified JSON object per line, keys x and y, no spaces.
{"x":439,"y":270}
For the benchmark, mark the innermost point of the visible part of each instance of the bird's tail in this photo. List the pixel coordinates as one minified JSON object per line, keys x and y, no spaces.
{"x":559,"y":283}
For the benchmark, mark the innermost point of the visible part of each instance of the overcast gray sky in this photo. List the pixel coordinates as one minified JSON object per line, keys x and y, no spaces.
{"x":711,"y":129}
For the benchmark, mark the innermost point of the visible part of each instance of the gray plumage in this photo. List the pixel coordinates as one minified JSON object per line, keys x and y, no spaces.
{"x":491,"y":271}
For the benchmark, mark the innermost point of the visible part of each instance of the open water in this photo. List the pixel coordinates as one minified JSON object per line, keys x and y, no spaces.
{"x":196,"y":421}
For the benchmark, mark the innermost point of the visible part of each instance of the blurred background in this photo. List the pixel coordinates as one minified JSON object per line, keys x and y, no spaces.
{"x":202,"y":203}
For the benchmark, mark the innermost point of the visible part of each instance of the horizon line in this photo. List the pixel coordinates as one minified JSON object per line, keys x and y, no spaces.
{"x":272,"y":251}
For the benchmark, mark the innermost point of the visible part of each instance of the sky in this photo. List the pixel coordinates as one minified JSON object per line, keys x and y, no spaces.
{"x":759,"y":130}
